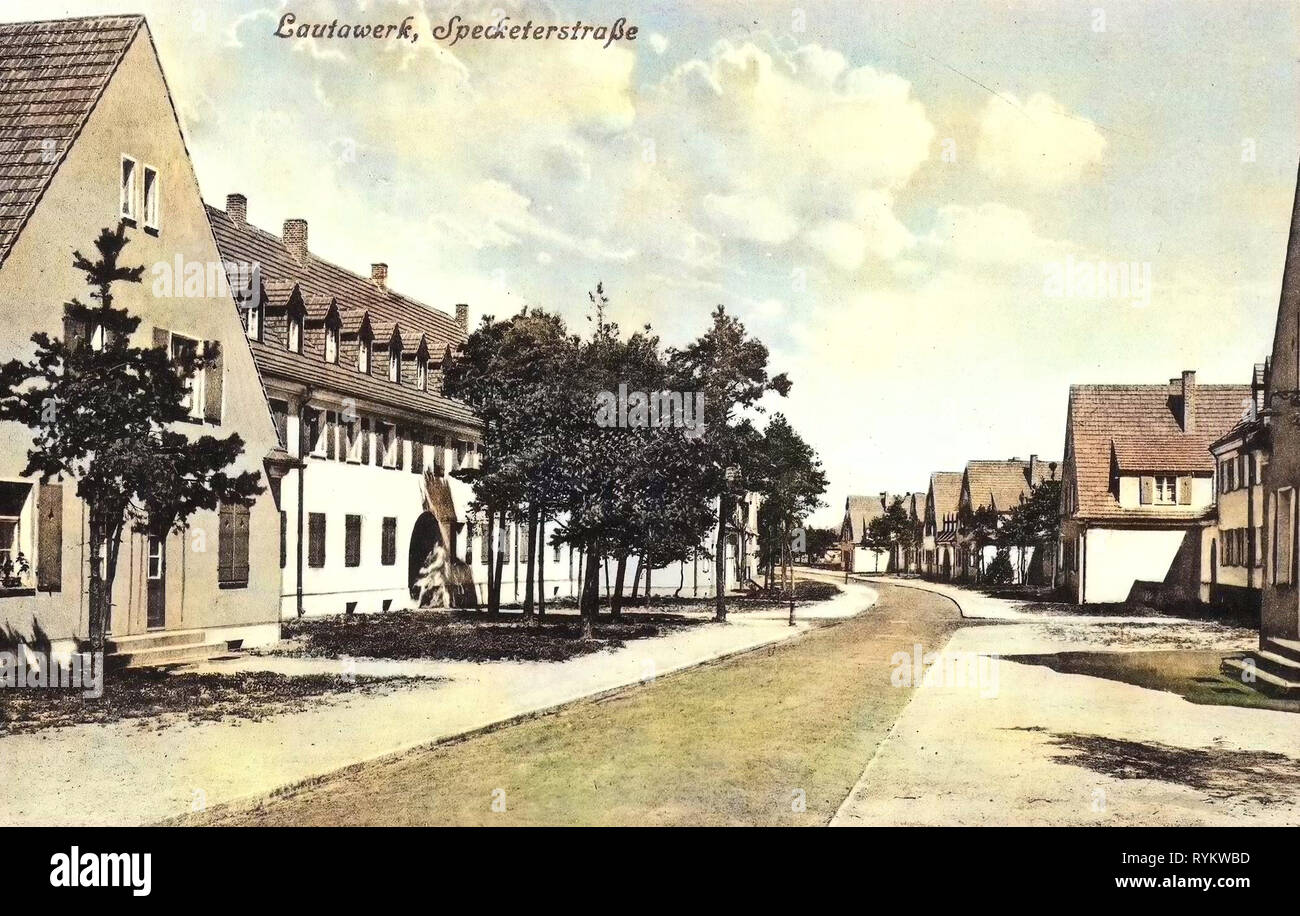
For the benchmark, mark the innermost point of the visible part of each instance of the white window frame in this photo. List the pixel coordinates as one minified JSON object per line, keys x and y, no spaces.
{"x":422,"y":374}
{"x":395,"y":364}
{"x":151,"y":205}
{"x":1162,"y":495}
{"x":126,"y":177}
{"x":154,"y":557}
{"x":293,"y":336}
{"x":331,"y":343}
{"x":390,"y":443}
{"x":254,"y":324}
{"x":365,"y":355}
{"x":196,"y":384}
{"x":355,"y":434}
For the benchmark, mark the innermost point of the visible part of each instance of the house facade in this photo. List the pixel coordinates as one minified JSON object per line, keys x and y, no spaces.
{"x":92,"y":140}
{"x":913,"y":556}
{"x":859,"y":512}
{"x":1137,"y":489}
{"x":939,"y":536}
{"x":1232,"y":555}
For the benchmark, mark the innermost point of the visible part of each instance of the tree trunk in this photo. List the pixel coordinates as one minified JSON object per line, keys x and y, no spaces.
{"x":531,"y":564}
{"x":590,"y":591}
{"x":636,"y":578}
{"x":98,"y":606}
{"x":541,"y":563}
{"x":489,"y":553}
{"x":616,"y":600}
{"x":720,"y":563}
{"x":495,"y":607}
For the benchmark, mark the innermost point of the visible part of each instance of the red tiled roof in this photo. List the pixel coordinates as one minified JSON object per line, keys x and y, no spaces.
{"x":52,"y":75}
{"x":1140,"y":420}
{"x":1002,"y":484}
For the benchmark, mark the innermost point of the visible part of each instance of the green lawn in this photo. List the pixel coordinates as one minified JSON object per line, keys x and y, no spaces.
{"x":777,"y":736}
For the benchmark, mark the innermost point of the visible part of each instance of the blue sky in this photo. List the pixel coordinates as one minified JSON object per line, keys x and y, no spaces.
{"x":877,"y":189}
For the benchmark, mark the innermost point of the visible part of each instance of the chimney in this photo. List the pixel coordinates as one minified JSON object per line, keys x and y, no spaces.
{"x":462,"y":316}
{"x":1189,"y":401}
{"x":1033,"y":463}
{"x":295,"y":238}
{"x":237,"y":209}
{"x":379,"y":274}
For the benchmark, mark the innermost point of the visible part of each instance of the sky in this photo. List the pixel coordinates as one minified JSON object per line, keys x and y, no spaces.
{"x":904,"y":201}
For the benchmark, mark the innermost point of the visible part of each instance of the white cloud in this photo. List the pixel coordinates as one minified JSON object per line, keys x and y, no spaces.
{"x":1038,"y":143}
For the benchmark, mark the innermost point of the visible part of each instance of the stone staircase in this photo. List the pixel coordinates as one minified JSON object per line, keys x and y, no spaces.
{"x":1275,"y":666}
{"x":165,"y":648}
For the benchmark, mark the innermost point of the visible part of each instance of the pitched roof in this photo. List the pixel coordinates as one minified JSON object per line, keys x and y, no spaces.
{"x":946,"y":486}
{"x":52,"y":75}
{"x":1138,"y":424}
{"x":917,"y":504}
{"x":1002,"y":484}
{"x":859,"y":511}
{"x":358,"y":298}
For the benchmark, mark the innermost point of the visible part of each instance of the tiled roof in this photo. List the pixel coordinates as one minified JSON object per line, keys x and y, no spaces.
{"x":52,"y":74}
{"x":1002,"y":484}
{"x":1140,"y":419}
{"x":946,"y":486}
{"x":917,"y":505}
{"x":860,"y":510}
{"x":320,"y":282}
{"x":1187,"y":454}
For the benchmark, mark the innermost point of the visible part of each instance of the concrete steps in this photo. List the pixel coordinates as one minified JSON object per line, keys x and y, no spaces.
{"x":1275,"y":667}
{"x":165,"y":648}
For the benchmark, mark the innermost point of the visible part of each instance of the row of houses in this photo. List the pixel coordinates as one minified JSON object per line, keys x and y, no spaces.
{"x":1171,"y":494}
{"x":944,"y":541}
{"x":331,"y":377}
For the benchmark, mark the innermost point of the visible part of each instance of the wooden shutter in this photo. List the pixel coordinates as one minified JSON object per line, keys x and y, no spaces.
{"x":214,"y":374}
{"x":162,"y":340}
{"x":74,"y":332}
{"x":333,"y":449}
{"x":239,"y":565}
{"x":49,"y":537}
{"x":225,"y":545}
{"x":352,"y":540}
{"x":417,"y":451}
{"x":1147,"y":490}
{"x":389,"y":546}
{"x":1184,"y":491}
{"x":316,"y":539}
{"x":398,"y":442}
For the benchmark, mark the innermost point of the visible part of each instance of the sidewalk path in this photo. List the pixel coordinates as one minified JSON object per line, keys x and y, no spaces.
{"x":123,"y":773}
{"x":1045,"y":748}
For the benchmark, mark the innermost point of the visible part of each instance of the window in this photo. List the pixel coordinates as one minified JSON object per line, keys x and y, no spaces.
{"x":354,"y":436}
{"x":462,"y":449}
{"x":352,"y":540}
{"x":280,"y":417}
{"x":97,"y":336}
{"x":331,"y":343}
{"x":128,"y":188}
{"x":155,"y":571}
{"x":185,"y":351}
{"x":316,"y":539}
{"x":389,"y":445}
{"x":557,"y":553}
{"x":422,"y":374}
{"x":364,"y":354}
{"x":151,"y":195}
{"x":232,"y":546}
{"x":295,"y":332}
{"x":317,"y":428}
{"x":395,"y":362}
{"x":388,"y":543}
{"x":13,"y":502}
{"x":1166,"y":491}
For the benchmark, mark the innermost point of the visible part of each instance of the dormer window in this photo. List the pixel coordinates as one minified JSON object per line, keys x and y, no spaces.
{"x":422,"y":374}
{"x":331,"y":343}
{"x":394,"y":362}
{"x":253,"y":320}
{"x":295,"y":332}
{"x":364,"y":353}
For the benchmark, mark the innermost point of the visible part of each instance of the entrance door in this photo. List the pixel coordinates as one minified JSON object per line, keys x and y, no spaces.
{"x":156,"y":603}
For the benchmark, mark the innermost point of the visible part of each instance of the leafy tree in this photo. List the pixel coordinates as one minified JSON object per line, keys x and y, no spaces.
{"x":791,"y":485}
{"x":891,"y":531}
{"x":1035,"y":521}
{"x":820,"y":540}
{"x":103,"y":414}
{"x":729,"y":368}
{"x":999,"y":570}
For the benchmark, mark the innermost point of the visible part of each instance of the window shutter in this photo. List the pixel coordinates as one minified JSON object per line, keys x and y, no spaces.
{"x":49,"y":537}
{"x":214,"y":376}
{"x":1146,"y":491}
{"x":305,"y":420}
{"x":74,"y":332}
{"x":1184,"y":491}
{"x":417,"y":451}
{"x":162,"y":340}
{"x":239,"y":562}
{"x":332,"y":449}
{"x":316,"y":539}
{"x":225,"y":545}
{"x":399,"y":443}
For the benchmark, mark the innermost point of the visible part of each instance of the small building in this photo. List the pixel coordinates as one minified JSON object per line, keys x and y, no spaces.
{"x":916,"y":512}
{"x":859,"y":513}
{"x":939,"y":536}
{"x":1137,"y":488}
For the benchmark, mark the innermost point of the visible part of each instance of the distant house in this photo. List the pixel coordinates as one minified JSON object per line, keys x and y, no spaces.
{"x":939,"y":535}
{"x":1137,"y":486}
{"x":1232,"y":556}
{"x":916,"y":510}
{"x":999,"y":486}
{"x":859,"y":512}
